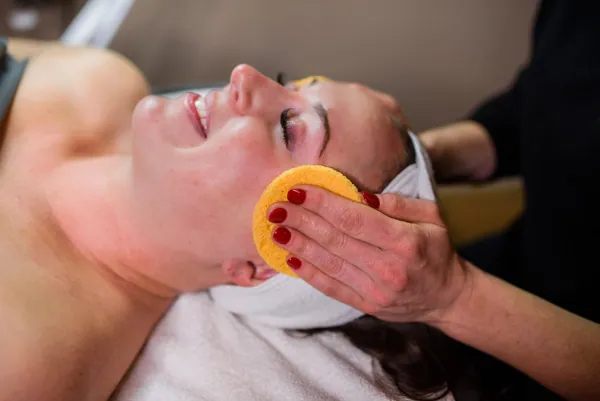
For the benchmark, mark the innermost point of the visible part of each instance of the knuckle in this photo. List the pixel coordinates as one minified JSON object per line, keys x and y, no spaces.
{"x":392,"y":273}
{"x":334,"y":240}
{"x":384,"y":301}
{"x":381,"y":299}
{"x":372,"y":264}
{"x":351,"y":221}
{"x":328,"y":290}
{"x":397,"y":204}
{"x":413,"y":246}
{"x":389,"y":229}
{"x":334,"y":266}
{"x":309,"y":274}
{"x":298,"y":245}
{"x":317,"y":199}
{"x":390,"y":233}
{"x":302,"y":220}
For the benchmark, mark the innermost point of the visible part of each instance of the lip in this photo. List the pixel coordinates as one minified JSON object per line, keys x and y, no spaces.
{"x":190,"y":100}
{"x":209,"y":101}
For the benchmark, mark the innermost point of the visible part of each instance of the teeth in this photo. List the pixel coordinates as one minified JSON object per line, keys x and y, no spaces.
{"x":201,"y":107}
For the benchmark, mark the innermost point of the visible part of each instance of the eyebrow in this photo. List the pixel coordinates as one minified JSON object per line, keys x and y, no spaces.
{"x":324,"y":117}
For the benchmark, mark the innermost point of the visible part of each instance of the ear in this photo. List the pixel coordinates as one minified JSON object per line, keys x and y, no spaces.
{"x":247,"y":273}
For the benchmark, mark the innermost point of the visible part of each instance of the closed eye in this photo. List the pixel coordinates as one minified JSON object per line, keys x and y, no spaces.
{"x":284,"y":120}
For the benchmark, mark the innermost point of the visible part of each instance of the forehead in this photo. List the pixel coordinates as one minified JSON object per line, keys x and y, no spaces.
{"x":364,"y":142}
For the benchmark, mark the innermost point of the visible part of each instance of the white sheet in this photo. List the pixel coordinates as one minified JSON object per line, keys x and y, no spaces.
{"x":201,"y":352}
{"x":97,"y":23}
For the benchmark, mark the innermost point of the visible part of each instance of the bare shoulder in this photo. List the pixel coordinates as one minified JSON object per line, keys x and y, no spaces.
{"x":74,"y":86}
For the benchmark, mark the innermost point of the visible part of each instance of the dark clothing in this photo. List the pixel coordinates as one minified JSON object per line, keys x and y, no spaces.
{"x":11,"y":72}
{"x":546,"y":127}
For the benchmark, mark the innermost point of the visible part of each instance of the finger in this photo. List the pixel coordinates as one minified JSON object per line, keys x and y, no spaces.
{"x":323,"y":233}
{"x":409,"y":209}
{"x":329,"y":286}
{"x":355,"y":219}
{"x":380,"y":265}
{"x":332,"y":265}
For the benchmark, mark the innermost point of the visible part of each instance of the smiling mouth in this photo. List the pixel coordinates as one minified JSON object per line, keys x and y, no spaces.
{"x":197,"y":111}
{"x":200,"y":105}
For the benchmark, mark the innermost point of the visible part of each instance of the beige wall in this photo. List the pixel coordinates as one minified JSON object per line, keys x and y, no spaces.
{"x":438,"y":58}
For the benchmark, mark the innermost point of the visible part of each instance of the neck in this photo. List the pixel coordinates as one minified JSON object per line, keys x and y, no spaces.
{"x":92,"y":202}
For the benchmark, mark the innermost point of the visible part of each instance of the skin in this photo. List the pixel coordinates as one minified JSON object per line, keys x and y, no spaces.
{"x":398,"y":264}
{"x":112,"y":203}
{"x":21,"y":49}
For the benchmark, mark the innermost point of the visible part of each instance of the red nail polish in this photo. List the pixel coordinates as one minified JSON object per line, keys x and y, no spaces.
{"x":371,"y":199}
{"x":294,"y":262}
{"x":296,"y":196}
{"x":278,"y":215}
{"x":282,"y":235}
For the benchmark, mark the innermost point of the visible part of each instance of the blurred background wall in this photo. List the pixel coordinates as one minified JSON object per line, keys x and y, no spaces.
{"x":37,"y":19}
{"x":438,"y":58}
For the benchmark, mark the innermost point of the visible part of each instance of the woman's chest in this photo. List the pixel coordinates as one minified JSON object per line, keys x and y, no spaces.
{"x":47,"y":329}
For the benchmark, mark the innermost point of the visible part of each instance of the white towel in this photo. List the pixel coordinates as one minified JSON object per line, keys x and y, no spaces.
{"x":201,"y":352}
{"x":416,"y":180}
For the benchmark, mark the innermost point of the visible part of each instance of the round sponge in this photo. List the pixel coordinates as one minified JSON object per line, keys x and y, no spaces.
{"x":309,"y":79}
{"x":277,"y":190}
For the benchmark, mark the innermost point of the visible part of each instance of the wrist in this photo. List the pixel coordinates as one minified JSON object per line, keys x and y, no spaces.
{"x":457,"y":313}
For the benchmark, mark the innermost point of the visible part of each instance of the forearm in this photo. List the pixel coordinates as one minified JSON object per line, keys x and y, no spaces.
{"x":460,"y":150}
{"x":554,"y":347}
{"x":21,"y":49}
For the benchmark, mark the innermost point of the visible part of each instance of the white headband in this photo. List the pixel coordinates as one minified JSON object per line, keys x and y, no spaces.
{"x":290,"y":303}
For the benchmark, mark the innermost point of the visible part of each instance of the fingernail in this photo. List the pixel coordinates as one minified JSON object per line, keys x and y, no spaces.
{"x":372,"y":200}
{"x":296,"y":196}
{"x":294,"y":262}
{"x":282,"y":235}
{"x":278,"y":215}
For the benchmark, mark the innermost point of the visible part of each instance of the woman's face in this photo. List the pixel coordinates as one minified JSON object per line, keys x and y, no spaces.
{"x":201,"y":164}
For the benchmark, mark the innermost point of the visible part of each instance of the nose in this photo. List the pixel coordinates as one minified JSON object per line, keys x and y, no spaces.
{"x":251,"y":93}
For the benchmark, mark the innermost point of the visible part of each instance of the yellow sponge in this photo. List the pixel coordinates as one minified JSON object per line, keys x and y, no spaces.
{"x":309,"y":79}
{"x":277,"y":190}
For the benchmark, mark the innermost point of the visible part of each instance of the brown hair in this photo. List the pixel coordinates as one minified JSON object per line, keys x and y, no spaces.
{"x":411,"y":359}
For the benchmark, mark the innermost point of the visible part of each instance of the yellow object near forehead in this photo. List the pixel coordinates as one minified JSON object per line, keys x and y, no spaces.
{"x":307,"y":80}
{"x":276,"y":191}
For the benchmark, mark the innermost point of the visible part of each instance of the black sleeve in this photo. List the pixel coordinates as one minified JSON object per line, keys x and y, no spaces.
{"x":501,"y":116}
{"x":11,"y":72}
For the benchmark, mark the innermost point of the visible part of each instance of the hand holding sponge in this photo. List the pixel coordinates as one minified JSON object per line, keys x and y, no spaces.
{"x":276,"y":191}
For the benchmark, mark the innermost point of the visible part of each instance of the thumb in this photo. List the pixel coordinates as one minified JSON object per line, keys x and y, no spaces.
{"x":409,"y":209}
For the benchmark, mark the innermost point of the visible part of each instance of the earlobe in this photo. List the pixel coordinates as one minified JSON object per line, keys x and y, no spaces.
{"x":246,"y":273}
{"x":262,"y":271}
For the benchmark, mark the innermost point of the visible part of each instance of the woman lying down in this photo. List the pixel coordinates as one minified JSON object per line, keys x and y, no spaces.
{"x":114,"y":202}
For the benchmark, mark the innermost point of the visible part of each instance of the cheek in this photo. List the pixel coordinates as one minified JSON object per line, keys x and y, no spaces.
{"x":243,"y":157}
{"x":237,"y":172}
{"x":146,"y":124}
{"x":147,"y":113}
{"x":209,"y":195}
